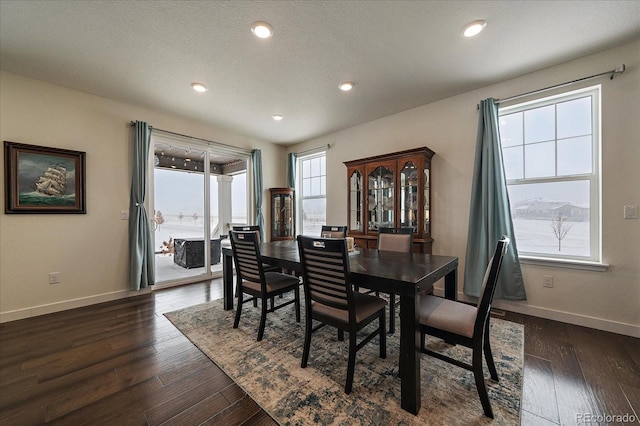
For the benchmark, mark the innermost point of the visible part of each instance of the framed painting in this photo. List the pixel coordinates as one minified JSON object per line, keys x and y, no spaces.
{"x":39,"y":179}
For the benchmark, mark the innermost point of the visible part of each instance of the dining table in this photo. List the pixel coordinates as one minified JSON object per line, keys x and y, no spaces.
{"x":405,"y":274}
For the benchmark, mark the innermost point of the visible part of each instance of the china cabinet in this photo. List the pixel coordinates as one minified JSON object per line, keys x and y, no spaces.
{"x":282,"y":214}
{"x":390,"y":191}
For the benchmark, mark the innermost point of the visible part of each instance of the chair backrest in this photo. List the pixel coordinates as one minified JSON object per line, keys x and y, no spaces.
{"x":333,"y":231}
{"x":395,"y":242}
{"x":489,"y":283}
{"x":325,"y":271}
{"x":247,"y":228}
{"x":246,"y":255}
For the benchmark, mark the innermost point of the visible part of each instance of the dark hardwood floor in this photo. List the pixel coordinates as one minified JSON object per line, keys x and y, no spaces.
{"x":122,"y":363}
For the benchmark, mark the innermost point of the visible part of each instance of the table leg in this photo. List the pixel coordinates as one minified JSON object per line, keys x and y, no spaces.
{"x":451,"y":285}
{"x":409,"y":354}
{"x":227,"y":281}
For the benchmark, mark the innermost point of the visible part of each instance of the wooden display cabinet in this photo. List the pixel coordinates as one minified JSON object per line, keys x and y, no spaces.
{"x":394,"y":191}
{"x":283,"y":217}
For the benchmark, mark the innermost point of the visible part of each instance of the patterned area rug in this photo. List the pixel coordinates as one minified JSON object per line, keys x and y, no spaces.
{"x":269,"y":371}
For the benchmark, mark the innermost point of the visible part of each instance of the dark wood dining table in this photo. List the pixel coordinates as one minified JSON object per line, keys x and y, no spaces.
{"x":405,"y":274}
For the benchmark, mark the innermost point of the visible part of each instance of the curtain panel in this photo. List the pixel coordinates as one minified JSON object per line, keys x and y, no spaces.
{"x":490,"y":213}
{"x":141,"y":253}
{"x":292,"y":159}
{"x":256,"y":161}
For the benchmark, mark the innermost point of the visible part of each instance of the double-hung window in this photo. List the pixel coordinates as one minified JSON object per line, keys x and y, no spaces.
{"x":312,"y":193}
{"x":551,"y":151}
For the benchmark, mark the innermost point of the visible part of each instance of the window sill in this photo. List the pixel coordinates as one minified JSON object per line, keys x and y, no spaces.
{"x":563,"y":263}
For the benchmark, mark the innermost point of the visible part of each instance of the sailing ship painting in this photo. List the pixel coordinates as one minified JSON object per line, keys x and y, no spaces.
{"x":53,"y":182}
{"x":45,"y":180}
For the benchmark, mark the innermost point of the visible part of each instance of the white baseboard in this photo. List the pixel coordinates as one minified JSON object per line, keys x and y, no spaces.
{"x":566,"y":317}
{"x":49,"y":308}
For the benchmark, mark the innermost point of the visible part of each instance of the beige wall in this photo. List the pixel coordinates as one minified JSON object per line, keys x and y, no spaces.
{"x":89,"y":251}
{"x":607,"y":300}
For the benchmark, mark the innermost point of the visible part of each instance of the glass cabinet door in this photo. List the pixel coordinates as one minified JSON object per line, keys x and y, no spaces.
{"x":380,"y":198}
{"x":276,"y":215}
{"x":287,"y":213}
{"x":427,"y":200}
{"x":409,"y":196}
{"x":282,"y":214}
{"x":355,"y":201}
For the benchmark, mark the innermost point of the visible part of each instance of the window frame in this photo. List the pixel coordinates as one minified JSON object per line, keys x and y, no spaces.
{"x":594,"y":177}
{"x":300,"y":186}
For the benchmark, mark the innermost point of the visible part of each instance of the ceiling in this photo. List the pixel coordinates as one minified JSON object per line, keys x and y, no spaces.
{"x":400,"y":54}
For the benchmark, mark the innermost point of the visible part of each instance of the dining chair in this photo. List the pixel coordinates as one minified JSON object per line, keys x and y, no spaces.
{"x":466,"y":325}
{"x":330,"y":299}
{"x":333,"y":231}
{"x":253,"y":280}
{"x":267,"y":268}
{"x":395,"y":242}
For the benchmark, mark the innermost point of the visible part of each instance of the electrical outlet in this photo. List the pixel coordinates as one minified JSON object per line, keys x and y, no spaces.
{"x":124,"y":214}
{"x":547,"y":281}
{"x":54,"y":277}
{"x":631,"y":212}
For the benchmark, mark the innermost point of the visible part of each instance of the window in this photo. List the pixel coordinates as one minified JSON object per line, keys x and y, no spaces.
{"x":239,"y":198}
{"x":312,"y":193}
{"x":551,"y":158}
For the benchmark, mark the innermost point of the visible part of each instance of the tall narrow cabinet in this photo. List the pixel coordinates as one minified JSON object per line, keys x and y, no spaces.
{"x":390,"y":191}
{"x":283,"y":218}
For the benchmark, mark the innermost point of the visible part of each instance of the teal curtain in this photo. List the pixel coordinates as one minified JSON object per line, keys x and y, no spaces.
{"x":291,"y":170}
{"x":256,"y":161}
{"x":141,"y":251}
{"x":490,"y":213}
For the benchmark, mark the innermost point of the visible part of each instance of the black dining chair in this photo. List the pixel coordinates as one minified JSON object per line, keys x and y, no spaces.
{"x":330,"y":299}
{"x":253,"y":280}
{"x":267,"y":268}
{"x":328,"y":231}
{"x":466,"y":325}
{"x":256,"y":229}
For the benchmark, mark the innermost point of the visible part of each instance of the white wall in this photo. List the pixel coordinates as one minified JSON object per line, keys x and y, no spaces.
{"x":89,"y":251}
{"x":606,"y":300}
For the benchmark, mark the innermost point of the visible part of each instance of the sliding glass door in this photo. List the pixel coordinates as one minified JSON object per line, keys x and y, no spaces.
{"x":196,"y":197}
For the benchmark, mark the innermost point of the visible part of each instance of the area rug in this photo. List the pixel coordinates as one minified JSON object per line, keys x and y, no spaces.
{"x":269,"y":371}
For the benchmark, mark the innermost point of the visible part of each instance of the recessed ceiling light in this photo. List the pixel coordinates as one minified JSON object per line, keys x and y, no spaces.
{"x":199,"y":87}
{"x":261,"y":29}
{"x":474,"y":28}
{"x":345,"y":86}
{"x":278,"y":117}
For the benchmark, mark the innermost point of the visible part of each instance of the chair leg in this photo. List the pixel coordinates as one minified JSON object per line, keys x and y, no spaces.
{"x":383,"y":336}
{"x":263,"y":318}
{"x":238,"y":310}
{"x":340,"y":335}
{"x":351,"y":366}
{"x":487,"y":353}
{"x":307,"y":340}
{"x":296,"y":293}
{"x":480,"y":385}
{"x":392,"y":313}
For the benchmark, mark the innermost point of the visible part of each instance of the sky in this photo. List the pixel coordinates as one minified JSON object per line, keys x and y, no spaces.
{"x":178,"y":191}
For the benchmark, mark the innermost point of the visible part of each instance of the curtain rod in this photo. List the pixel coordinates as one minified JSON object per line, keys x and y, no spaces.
{"x":328,"y":146}
{"x":618,"y":70}
{"x":133,"y":123}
